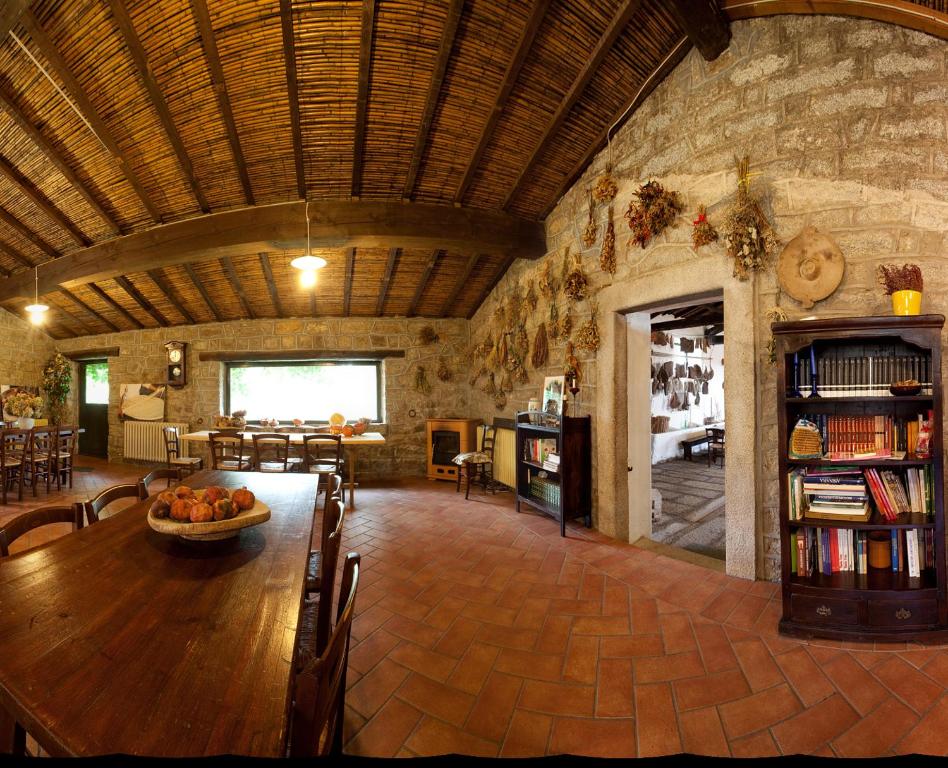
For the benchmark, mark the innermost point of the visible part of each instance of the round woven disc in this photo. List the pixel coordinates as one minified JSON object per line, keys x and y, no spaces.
{"x":811,"y":267}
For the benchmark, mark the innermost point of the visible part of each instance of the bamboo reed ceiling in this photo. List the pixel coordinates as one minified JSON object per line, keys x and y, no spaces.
{"x":190,"y":108}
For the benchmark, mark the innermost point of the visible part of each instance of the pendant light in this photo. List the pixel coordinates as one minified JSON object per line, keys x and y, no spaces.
{"x":307,"y":263}
{"x":36,"y":310}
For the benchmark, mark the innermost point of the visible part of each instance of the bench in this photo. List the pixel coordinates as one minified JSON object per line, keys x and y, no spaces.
{"x":692,"y":442}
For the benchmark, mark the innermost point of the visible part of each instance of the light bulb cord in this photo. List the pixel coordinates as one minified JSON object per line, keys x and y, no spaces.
{"x":308,"y":249}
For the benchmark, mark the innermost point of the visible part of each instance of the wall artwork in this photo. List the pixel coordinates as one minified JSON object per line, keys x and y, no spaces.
{"x":9,"y":390}
{"x":553,"y":387}
{"x":142,"y":402}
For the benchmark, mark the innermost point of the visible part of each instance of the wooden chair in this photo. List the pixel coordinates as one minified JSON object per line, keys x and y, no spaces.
{"x":322,"y":455}
{"x":106,"y":497}
{"x":314,"y":568}
{"x":15,"y":447}
{"x":44,"y":455}
{"x":173,"y":473}
{"x":36,"y":518}
{"x":67,"y":440}
{"x":173,"y":457}
{"x":271,"y":453}
{"x":478,"y":463}
{"x":715,"y":444}
{"x":320,"y":688}
{"x":227,"y":452}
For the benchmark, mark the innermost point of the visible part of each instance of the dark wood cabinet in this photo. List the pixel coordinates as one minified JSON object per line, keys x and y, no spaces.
{"x":881,"y":603}
{"x":566,"y":492}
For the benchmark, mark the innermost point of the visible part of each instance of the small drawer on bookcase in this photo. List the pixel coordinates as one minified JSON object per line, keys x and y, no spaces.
{"x":824,"y":610}
{"x":903,"y":613}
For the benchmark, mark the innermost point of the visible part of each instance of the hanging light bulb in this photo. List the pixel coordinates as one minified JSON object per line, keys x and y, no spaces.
{"x":36,"y":311}
{"x":308,"y":263}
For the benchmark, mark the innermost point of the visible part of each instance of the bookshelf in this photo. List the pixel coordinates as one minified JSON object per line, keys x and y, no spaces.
{"x":564,"y":490}
{"x":829,"y":587}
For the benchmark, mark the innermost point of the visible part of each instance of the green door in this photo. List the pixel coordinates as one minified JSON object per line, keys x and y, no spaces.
{"x":94,"y":408}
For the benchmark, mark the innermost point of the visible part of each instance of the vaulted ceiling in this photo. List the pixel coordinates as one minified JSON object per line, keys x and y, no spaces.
{"x":154,"y":156}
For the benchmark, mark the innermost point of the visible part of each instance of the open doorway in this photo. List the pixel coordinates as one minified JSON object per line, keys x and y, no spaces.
{"x":687,"y":420}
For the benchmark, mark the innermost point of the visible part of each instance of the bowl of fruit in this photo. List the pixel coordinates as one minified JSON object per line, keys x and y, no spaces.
{"x":206,"y":514}
{"x":906,"y":388}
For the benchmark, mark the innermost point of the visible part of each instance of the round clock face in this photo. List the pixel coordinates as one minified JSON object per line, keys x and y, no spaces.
{"x":176,"y":371}
{"x":174,"y":355}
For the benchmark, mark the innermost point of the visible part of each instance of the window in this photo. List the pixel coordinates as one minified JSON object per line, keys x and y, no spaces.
{"x":310,"y":391}
{"x":97,"y":383}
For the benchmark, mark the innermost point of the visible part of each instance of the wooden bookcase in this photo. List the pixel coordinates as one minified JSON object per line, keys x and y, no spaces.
{"x":573,"y":481}
{"x":881,"y":604}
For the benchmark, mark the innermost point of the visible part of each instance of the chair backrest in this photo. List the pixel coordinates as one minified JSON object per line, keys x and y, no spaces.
{"x":68,"y":436}
{"x":125,"y":491}
{"x":487,"y":440}
{"x":23,"y":524}
{"x":715,"y":435}
{"x":318,"y":706}
{"x":271,"y":448}
{"x":322,"y":449}
{"x":329,"y":558}
{"x":333,"y":490}
{"x":172,"y":444}
{"x":15,"y":447}
{"x":225,"y":447}
{"x":156,"y":474}
{"x":46,"y":441}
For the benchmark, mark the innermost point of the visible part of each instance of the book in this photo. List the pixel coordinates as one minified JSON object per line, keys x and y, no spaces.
{"x":911,"y":541}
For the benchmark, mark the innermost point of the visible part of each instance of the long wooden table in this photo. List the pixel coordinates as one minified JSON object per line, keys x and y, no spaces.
{"x":349,"y":444}
{"x":116,"y":638}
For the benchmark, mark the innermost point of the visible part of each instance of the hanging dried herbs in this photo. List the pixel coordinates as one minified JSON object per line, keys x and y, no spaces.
{"x":576,"y":284}
{"x":520,"y":374}
{"x":522,"y":343}
{"x":531,"y":298}
{"x":652,"y":211}
{"x":483,"y":349}
{"x":554,"y":321}
{"x":421,"y":381}
{"x":500,"y":401}
{"x":565,"y":325}
{"x":587,"y":337}
{"x":541,"y":347}
{"x":774,"y":314}
{"x":572,"y":367}
{"x":606,"y":187}
{"x":482,"y":371}
{"x":427,"y":335}
{"x":748,"y":237}
{"x":592,"y":228}
{"x":546,"y":281}
{"x":607,"y":256}
{"x":506,"y":385}
{"x":444,"y":373}
{"x":702,"y":231}
{"x":490,"y":386}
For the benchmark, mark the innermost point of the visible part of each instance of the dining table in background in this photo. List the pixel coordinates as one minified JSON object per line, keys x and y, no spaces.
{"x":349,"y":444}
{"x":118,"y":639}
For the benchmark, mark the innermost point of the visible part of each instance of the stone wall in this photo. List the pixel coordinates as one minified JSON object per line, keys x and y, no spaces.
{"x":24,"y":350}
{"x":142,"y":359}
{"x":844,"y":121}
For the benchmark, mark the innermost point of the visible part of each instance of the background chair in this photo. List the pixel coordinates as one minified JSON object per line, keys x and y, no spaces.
{"x":67,"y":439}
{"x":271,"y":452}
{"x":715,"y":444}
{"x":44,"y":455}
{"x":36,"y":518}
{"x":173,"y":457}
{"x":227,"y":452}
{"x":157,"y":474}
{"x":314,"y":568}
{"x":322,"y":455}
{"x":94,"y":507}
{"x":15,"y":447}
{"x":478,"y":464}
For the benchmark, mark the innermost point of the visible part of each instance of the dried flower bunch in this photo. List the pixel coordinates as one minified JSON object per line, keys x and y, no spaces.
{"x":500,"y":401}
{"x":607,"y":256}
{"x":421,"y":381}
{"x":703,"y":232}
{"x":490,"y":385}
{"x":427,"y":335}
{"x":592,"y":228}
{"x":587,"y":337}
{"x":774,"y":314}
{"x":531,"y":299}
{"x":606,"y":188}
{"x":576,"y":284}
{"x":554,"y":321}
{"x":653,"y":210}
{"x":23,"y":404}
{"x":541,"y":347}
{"x":748,"y":237}
{"x":444,"y":373}
{"x":892,"y":278}
{"x":547,"y":282}
{"x":482,"y":371}
{"x":572,"y":367}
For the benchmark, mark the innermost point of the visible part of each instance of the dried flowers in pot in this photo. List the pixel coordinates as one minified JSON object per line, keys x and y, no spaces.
{"x":652,"y":211}
{"x":748,"y":237}
{"x":703,"y":232}
{"x":607,"y":256}
{"x":606,"y":187}
{"x":904,"y":284}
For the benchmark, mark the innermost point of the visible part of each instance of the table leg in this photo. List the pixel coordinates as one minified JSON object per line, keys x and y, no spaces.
{"x":350,"y":458}
{"x":12,"y":737}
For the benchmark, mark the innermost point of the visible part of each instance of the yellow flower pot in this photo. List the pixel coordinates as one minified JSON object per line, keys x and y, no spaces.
{"x":907,"y":303}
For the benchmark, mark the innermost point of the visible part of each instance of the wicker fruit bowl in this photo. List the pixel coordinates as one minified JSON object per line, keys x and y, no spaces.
{"x":206,"y":514}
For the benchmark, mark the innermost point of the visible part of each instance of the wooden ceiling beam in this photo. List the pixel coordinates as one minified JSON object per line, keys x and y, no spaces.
{"x":616,"y":27}
{"x":14,"y":223}
{"x":705,"y":25}
{"x":157,"y":99}
{"x":58,"y":63}
{"x":136,"y":323}
{"x":292,"y":93}
{"x":393,"y":254}
{"x":501,"y":271}
{"x":86,"y":330}
{"x":14,"y":254}
{"x":206,"y":29}
{"x":423,"y":283}
{"x":459,"y":285}
{"x":140,"y":299}
{"x":196,"y":281}
{"x":347,"y":284}
{"x":333,"y":224}
{"x":160,"y":281}
{"x":26,"y":187}
{"x":362,"y":96}
{"x":10,"y":14}
{"x":524,"y":44}
{"x":615,"y":122}
{"x":89,"y":310}
{"x":434,"y":92}
{"x":238,"y":287}
{"x":271,"y":284}
{"x":46,"y":147}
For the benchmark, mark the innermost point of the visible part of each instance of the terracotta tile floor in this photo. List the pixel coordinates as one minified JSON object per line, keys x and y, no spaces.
{"x":482,"y":632}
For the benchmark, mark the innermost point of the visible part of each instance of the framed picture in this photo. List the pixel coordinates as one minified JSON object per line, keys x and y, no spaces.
{"x":553,"y":387}
{"x":142,"y":402}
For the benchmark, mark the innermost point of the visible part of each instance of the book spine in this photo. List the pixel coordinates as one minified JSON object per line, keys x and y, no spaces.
{"x":894,"y":547}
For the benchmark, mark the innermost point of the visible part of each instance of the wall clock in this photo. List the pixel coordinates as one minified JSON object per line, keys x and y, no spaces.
{"x":177,"y":363}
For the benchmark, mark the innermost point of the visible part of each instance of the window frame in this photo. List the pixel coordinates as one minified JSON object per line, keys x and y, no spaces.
{"x":378,"y":418}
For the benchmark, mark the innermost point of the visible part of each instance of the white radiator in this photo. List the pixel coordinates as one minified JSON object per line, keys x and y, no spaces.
{"x":145,"y":439}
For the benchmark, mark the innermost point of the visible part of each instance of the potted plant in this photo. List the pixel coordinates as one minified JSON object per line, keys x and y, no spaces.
{"x":904,"y":284}
{"x":57,"y":377}
{"x":24,"y":405}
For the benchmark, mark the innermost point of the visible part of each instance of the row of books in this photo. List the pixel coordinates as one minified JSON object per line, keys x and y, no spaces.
{"x":539,"y":449}
{"x":843,"y":493}
{"x":842,"y":550}
{"x":552,"y":462}
{"x":893,"y":498}
{"x":867,"y":437}
{"x":863,"y":376}
{"x":545,"y":490}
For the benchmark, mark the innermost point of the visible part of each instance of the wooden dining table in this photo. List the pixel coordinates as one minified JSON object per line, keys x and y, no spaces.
{"x":119,"y":639}
{"x":349,"y":444}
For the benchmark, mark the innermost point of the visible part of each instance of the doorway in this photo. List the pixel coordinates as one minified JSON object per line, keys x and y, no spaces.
{"x":687,"y":428}
{"x":94,"y":408}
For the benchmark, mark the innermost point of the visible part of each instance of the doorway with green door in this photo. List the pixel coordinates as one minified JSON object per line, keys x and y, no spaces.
{"x":94,"y":408}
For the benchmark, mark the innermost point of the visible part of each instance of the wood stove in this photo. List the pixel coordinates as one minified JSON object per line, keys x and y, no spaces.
{"x":446,"y":438}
